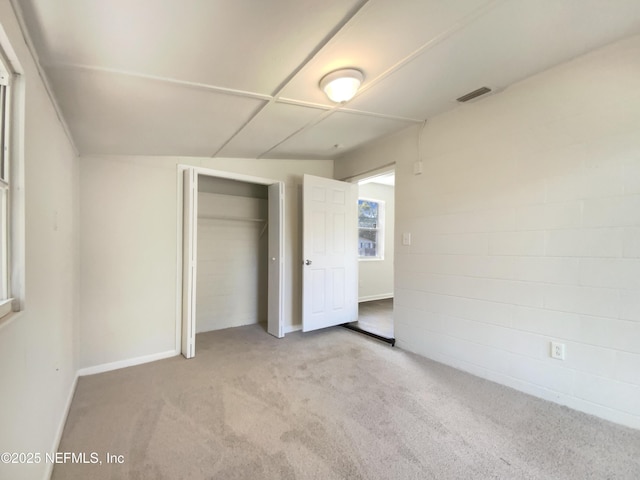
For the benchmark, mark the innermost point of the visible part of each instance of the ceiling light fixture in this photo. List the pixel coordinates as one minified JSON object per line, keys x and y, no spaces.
{"x":342,"y":85}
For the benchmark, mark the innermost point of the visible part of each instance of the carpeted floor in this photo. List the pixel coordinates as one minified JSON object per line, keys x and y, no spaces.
{"x":331,"y":404}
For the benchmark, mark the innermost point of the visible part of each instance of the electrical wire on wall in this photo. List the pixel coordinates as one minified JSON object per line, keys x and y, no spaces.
{"x":420,"y":132}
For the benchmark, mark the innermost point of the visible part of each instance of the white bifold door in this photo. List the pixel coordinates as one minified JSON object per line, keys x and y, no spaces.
{"x":189,"y":261}
{"x":275,"y":302}
{"x":330,"y":253}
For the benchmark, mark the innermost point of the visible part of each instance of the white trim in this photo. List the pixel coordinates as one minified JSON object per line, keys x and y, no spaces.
{"x":107,"y":367}
{"x":240,"y":177}
{"x":376,"y":172}
{"x":292,"y":328}
{"x":6,"y":306}
{"x":179,"y":242}
{"x":60,"y":429}
{"x":370,"y":298}
{"x":189,"y":262}
{"x":17,"y":265}
{"x":560,"y":398}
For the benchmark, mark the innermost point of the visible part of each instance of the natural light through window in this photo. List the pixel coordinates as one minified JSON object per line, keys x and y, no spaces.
{"x":370,"y":229}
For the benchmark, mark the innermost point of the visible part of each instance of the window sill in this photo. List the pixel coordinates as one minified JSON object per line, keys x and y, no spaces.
{"x":9,"y":318}
{"x":370,"y":259}
{"x":5,"y":307}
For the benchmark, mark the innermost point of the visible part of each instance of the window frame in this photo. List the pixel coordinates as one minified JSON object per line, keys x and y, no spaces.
{"x":380,"y":246}
{"x":7,"y":118}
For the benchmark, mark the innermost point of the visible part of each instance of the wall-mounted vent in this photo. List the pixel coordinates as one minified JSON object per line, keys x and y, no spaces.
{"x":474,"y":94}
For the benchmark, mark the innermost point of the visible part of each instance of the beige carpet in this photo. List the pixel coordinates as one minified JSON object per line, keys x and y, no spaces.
{"x":328,"y":405}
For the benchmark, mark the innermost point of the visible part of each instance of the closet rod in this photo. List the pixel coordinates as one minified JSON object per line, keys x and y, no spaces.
{"x":228,"y":217}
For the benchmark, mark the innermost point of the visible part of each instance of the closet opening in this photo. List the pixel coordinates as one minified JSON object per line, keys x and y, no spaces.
{"x":232,"y":253}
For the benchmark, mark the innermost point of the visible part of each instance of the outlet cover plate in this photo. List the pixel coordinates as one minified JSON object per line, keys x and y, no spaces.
{"x":557,"y":350}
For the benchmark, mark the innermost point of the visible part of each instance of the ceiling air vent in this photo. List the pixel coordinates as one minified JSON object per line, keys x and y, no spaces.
{"x":474,"y":94}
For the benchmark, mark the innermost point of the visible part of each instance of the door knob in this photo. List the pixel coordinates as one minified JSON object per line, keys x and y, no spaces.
{"x":307,"y":262}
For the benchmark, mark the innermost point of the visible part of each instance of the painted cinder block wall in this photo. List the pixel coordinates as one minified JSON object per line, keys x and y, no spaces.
{"x":233,"y":267}
{"x":525,"y":230}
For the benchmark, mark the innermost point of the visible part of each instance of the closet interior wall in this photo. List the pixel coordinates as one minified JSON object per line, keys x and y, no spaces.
{"x":232,"y":268}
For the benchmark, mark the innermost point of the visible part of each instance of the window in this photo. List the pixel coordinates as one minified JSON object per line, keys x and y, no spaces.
{"x":370,"y":228}
{"x":5,"y":103}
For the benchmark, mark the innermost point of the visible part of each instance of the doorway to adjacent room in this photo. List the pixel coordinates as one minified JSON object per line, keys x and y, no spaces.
{"x":376,"y":219}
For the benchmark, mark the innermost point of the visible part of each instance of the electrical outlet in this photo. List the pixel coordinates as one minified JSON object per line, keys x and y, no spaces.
{"x":557,"y":350}
{"x":406,"y":239}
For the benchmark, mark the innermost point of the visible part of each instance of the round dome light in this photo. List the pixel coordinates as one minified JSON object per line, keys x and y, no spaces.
{"x":342,"y":85}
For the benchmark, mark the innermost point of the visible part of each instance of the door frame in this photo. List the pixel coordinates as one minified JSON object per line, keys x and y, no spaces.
{"x":201,"y":171}
{"x":356,"y":179}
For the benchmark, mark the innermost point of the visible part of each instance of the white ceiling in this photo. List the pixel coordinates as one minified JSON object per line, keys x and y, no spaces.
{"x":239,"y":78}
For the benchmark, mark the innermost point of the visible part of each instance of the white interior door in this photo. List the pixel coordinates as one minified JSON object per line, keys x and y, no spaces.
{"x":189,"y":261}
{"x":330,"y":253}
{"x":275,"y":302}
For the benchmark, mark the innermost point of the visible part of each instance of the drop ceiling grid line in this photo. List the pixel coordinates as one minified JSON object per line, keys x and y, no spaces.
{"x":43,"y":76}
{"x":327,"y":40}
{"x":431,"y":43}
{"x":457,"y":26}
{"x":251,"y":118}
{"x":338,"y":108}
{"x":303,"y":103}
{"x":386,"y":116}
{"x":227,"y":91}
{"x":319,"y":106}
{"x":161,"y":79}
{"x":326,"y":114}
{"x":323,"y":116}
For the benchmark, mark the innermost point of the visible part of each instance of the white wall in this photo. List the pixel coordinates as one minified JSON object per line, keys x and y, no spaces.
{"x":375,"y":277}
{"x":378,"y":157}
{"x":128,"y":251}
{"x":526,"y":229}
{"x":39,"y":347}
{"x":232,"y":261}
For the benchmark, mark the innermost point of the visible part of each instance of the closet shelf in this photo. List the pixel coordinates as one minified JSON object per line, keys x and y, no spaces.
{"x":229,"y":217}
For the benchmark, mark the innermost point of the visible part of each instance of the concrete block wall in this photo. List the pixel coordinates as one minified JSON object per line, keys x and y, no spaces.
{"x":526,"y":230}
{"x":525,"y":227}
{"x":232,"y":261}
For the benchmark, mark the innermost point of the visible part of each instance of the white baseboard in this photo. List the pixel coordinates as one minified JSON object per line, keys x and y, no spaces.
{"x":107,"y":367}
{"x":292,"y":328}
{"x":56,"y":441}
{"x":601,"y":411}
{"x":370,"y":298}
